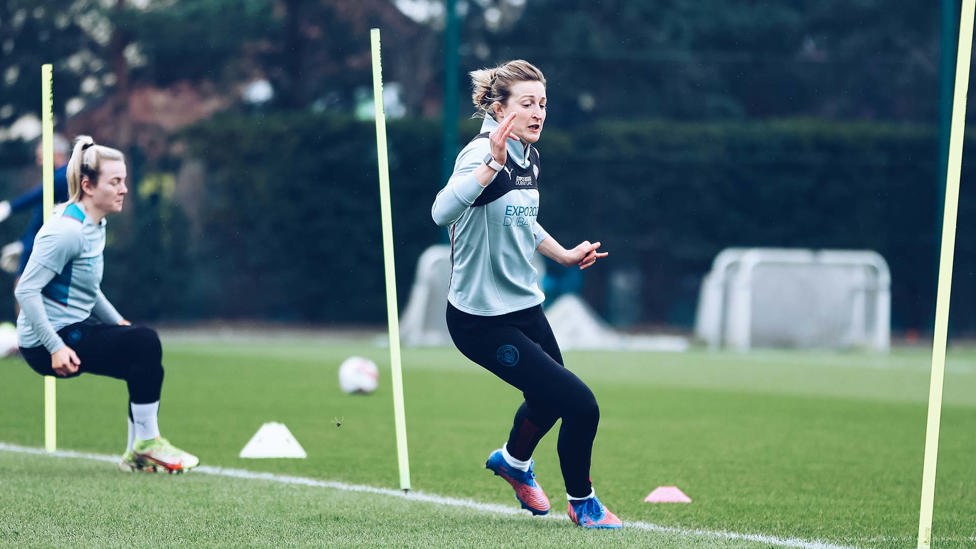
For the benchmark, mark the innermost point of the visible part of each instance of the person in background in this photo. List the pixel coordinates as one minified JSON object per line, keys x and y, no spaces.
{"x":490,"y":206}
{"x":68,"y":327}
{"x":13,"y":256}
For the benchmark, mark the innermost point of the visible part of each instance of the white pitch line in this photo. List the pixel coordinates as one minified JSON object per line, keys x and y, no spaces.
{"x":792,"y":543}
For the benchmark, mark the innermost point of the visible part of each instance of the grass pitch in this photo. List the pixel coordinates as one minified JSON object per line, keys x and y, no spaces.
{"x":776,"y":449}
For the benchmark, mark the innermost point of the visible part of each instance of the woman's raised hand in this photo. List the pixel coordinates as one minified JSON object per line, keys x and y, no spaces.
{"x":499,"y":138}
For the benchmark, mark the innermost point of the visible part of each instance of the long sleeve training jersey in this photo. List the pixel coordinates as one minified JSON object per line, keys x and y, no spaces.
{"x":494,"y":232}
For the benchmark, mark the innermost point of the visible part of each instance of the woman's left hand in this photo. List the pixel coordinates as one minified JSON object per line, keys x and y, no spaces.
{"x":585,"y":254}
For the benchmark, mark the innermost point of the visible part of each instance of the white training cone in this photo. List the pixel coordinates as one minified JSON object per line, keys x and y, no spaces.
{"x":273,"y":440}
{"x":667,"y":494}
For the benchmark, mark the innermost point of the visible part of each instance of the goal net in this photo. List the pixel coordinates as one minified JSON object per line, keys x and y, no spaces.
{"x":771,"y":297}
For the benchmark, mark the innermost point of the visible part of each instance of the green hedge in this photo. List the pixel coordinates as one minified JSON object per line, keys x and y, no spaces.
{"x":289,"y":223}
{"x":291,"y":220}
{"x":668,"y":197}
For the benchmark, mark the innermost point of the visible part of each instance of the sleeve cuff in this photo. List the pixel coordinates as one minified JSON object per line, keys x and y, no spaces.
{"x":467,"y":189}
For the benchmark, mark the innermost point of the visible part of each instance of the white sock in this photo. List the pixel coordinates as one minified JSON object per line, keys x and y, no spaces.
{"x":516,"y":463}
{"x":132,"y":434}
{"x":144,"y":419}
{"x":592,"y":493}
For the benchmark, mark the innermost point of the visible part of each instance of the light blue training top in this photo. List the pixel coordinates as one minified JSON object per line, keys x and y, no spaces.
{"x":493,"y":230}
{"x":61,"y":284}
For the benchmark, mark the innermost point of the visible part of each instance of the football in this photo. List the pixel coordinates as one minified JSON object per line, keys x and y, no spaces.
{"x":358,"y":375}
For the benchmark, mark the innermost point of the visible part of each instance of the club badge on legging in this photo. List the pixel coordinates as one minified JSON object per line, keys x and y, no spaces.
{"x":72,"y":337}
{"x":507,"y":355}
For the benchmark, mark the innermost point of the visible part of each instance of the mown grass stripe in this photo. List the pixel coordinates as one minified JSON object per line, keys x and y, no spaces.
{"x":435,"y":499}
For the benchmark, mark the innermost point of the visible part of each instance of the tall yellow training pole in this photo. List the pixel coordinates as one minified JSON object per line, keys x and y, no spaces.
{"x":47,"y":201}
{"x":956,"y":131}
{"x":392,"y":316}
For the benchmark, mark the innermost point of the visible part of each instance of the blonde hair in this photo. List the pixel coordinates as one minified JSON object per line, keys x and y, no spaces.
{"x":85,"y":160}
{"x":495,"y":84}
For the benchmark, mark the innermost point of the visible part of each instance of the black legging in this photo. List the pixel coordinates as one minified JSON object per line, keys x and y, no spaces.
{"x":520,"y":348}
{"x":131,"y":353}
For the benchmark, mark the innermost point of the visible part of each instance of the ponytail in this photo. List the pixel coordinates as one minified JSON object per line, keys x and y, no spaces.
{"x":482,"y":82}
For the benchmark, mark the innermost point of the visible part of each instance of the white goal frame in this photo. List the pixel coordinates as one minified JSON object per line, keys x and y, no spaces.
{"x":727,"y":312}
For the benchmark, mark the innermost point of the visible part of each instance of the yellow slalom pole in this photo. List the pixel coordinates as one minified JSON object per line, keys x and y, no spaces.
{"x":956,"y":131}
{"x":47,"y":202}
{"x":392,"y":316}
